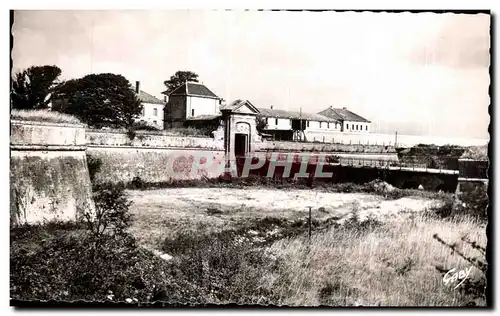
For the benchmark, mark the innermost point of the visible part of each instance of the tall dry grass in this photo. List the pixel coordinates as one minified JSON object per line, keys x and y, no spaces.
{"x":43,"y":116}
{"x":394,"y":264}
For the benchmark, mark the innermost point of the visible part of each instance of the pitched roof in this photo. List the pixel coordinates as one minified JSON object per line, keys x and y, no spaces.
{"x":295,"y":115}
{"x":192,"y":88}
{"x":329,"y":112}
{"x":236,"y":104}
{"x":148,"y":98}
{"x":343,"y":114}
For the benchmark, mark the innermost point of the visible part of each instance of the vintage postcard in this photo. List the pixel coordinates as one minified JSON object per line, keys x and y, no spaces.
{"x":251,"y":157}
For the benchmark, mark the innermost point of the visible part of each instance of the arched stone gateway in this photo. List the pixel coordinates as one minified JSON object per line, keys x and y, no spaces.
{"x":242,"y":139}
{"x":240,"y":128}
{"x":243,"y":127}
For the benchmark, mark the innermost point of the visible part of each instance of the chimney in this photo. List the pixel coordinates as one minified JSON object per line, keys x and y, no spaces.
{"x":271,"y":107}
{"x":137,"y":87}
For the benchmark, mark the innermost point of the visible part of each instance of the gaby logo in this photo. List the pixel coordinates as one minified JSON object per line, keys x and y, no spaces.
{"x":455,"y":276}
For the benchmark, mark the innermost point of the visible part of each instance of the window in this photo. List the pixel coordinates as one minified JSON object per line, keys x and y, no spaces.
{"x":356,"y":126}
{"x":267,"y":120}
{"x":192,"y":112}
{"x":366,"y":127}
{"x":275,"y":121}
{"x":347,"y":126}
{"x":155,"y":112}
{"x":327,"y":125}
{"x":307,"y":123}
{"x":155,"y":122}
{"x":336,"y":125}
{"x":319,"y":124}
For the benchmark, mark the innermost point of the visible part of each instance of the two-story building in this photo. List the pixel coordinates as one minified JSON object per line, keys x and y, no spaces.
{"x":293,"y":125}
{"x":195,"y":105}
{"x":152,"y":108}
{"x":350,"y":121}
{"x":188,"y":101}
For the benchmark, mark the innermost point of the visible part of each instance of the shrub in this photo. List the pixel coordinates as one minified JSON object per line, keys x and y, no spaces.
{"x":94,"y":165}
{"x":469,"y":203}
{"x":143,"y":126}
{"x":95,"y":260}
{"x":64,"y":267}
{"x":223,"y":266}
{"x":473,"y":201}
{"x":131,"y":134}
{"x":354,"y":223}
{"x":137,"y":184}
{"x":111,"y":210}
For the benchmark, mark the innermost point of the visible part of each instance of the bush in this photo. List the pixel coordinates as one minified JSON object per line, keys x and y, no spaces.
{"x":472,"y":202}
{"x":111,"y":210}
{"x":131,"y":134}
{"x":138,"y":184}
{"x":143,"y":126}
{"x":94,"y":165}
{"x":223,"y":266}
{"x":65,"y":267}
{"x":354,"y":223}
{"x":95,"y":260}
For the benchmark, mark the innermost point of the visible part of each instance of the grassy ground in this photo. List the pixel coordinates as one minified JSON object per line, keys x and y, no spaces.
{"x":251,"y":246}
{"x":365,"y":249}
{"x":395,"y":264}
{"x":43,"y":116}
{"x":165,"y":213}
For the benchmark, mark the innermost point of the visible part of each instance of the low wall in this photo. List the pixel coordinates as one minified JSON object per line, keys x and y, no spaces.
{"x":342,"y":157}
{"x":143,"y":139}
{"x":400,"y":178}
{"x":49,"y":177}
{"x":321,"y":147}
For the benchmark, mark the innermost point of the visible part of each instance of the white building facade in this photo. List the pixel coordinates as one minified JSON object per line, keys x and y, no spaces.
{"x":325,"y":126}
{"x":190,"y":100}
{"x":152,"y":108}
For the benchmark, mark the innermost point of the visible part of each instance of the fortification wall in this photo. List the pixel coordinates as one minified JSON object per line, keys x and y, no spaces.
{"x":155,"y":165}
{"x":49,"y":177}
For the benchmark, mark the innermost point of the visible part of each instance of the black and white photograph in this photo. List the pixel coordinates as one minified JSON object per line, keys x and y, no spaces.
{"x":274,"y":158}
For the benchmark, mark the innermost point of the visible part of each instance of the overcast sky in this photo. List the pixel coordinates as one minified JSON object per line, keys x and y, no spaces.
{"x":420,"y":73}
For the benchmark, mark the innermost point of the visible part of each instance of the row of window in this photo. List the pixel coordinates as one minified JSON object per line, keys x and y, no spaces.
{"x":307,"y":123}
{"x":155,"y":112}
{"x":355,"y":127}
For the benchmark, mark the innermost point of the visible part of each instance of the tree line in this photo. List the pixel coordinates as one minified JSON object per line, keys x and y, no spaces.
{"x":98,"y":100}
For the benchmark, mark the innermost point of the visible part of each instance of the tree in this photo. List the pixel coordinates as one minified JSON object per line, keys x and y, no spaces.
{"x":179,"y":78}
{"x":33,"y":87}
{"x":99,"y":100}
{"x":260,"y":124}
